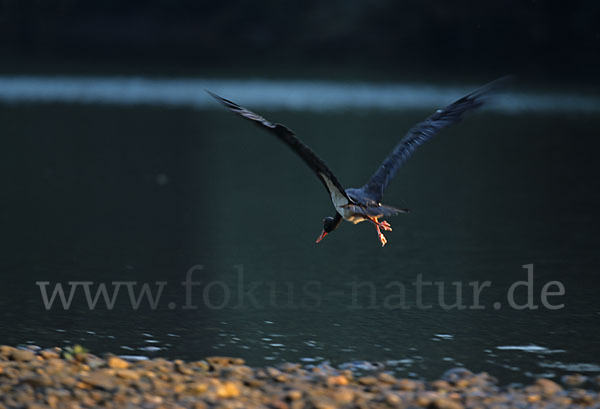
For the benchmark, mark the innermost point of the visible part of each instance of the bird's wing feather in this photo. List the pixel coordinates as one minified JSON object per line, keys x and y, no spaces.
{"x":333,"y":186}
{"x":377,"y":211}
{"x":422,"y":132}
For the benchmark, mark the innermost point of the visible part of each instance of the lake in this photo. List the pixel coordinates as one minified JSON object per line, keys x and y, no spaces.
{"x":146,"y":181}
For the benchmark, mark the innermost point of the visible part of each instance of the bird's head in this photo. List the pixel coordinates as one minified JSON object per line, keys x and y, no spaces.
{"x":329,"y":225}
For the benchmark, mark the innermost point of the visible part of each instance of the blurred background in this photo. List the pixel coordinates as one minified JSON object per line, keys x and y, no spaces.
{"x":536,"y":40}
{"x":116,"y":166}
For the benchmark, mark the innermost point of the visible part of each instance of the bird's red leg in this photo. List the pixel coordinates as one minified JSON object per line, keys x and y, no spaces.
{"x":384,"y":225}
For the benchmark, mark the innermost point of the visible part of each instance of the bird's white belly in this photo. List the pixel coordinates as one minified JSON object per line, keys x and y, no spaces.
{"x":349,"y":215}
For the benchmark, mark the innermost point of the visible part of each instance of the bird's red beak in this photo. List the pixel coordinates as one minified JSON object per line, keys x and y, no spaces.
{"x":323,"y":234}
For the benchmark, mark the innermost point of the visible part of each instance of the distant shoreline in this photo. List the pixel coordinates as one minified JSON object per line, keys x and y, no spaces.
{"x":291,"y":95}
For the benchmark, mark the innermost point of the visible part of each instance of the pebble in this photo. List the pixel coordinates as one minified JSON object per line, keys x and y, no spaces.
{"x":273,"y":372}
{"x":445,"y":403}
{"x":322,"y":402}
{"x":574,"y":379}
{"x":128,"y":374}
{"x":294,"y":394}
{"x":49,"y":354}
{"x":392,"y":399}
{"x":407,"y":385}
{"x":440,"y":385}
{"x":182,"y":368}
{"x":290,"y":367}
{"x":99,"y":380}
{"x":387,"y":378}
{"x":548,"y":387}
{"x":343,"y":395}
{"x":228,"y":390}
{"x":337,"y":380}
{"x":22,"y":355}
{"x":367,"y":380}
{"x":6,"y":350}
{"x":117,"y":363}
{"x":425,"y":399}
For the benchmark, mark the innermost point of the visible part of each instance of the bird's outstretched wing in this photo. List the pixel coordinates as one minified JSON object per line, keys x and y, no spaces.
{"x":422,"y":132}
{"x":335,"y":189}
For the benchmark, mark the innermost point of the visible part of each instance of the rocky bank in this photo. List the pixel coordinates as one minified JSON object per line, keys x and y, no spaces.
{"x":72,"y":378}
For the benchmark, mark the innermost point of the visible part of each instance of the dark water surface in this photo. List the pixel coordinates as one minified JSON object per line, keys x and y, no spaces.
{"x":103,"y":193}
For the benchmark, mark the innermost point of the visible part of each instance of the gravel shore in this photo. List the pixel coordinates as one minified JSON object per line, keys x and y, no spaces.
{"x":73,"y":378}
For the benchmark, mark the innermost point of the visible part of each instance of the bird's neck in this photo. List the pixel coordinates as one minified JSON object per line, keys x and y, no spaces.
{"x":337,"y":220}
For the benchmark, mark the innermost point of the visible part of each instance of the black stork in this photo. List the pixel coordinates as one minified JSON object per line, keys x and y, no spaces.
{"x":359,"y":204}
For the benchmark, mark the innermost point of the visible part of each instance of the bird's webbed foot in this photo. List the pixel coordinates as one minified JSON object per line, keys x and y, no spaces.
{"x":385,"y":225}
{"x":381,"y":236}
{"x":381,"y":225}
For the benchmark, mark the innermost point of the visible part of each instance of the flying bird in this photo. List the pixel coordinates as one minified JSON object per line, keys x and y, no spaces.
{"x":356,"y":205}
